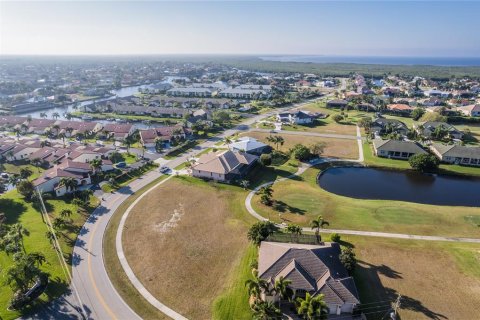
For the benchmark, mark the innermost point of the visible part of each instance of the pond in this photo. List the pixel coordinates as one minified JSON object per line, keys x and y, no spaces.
{"x":384,"y":184}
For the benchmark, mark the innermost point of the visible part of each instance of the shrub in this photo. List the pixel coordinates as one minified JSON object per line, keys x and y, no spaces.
{"x":300,"y":152}
{"x":348,"y":259}
{"x":266,"y":159}
{"x":25,"y":188}
{"x":337,"y":118}
{"x":260,"y":231}
{"x":335,"y":237}
{"x":424,"y":162}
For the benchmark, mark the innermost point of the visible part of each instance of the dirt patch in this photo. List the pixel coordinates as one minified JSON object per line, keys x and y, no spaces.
{"x":427,"y":275}
{"x":337,"y":148}
{"x":182,"y":241}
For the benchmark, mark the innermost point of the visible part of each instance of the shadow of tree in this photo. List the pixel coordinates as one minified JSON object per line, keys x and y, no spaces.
{"x":12,"y":209}
{"x":283,"y":207}
{"x":377,"y":300}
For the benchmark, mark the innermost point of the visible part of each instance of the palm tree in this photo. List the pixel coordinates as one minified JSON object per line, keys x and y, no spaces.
{"x":66,"y":213}
{"x":312,"y":308}
{"x":37,"y":163}
{"x":96,"y":164}
{"x":294,"y":229}
{"x":17,"y":131}
{"x":68,"y":116}
{"x":24,"y":127}
{"x":265,"y":311}
{"x":69,"y":183}
{"x":69,"y":130}
{"x":244,"y":184}
{"x":55,"y":115}
{"x":281,"y":288}
{"x":318,"y":224}
{"x":256,"y":285}
{"x":276,"y":140}
{"x":59,"y":223}
{"x":62,"y":136}
{"x":56,"y":127}
{"x":43,"y":115}
{"x":13,"y":179}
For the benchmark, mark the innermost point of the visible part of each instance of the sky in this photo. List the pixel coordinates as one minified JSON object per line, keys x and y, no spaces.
{"x":352,"y":28}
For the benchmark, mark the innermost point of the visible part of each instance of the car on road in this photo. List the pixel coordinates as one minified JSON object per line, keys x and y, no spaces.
{"x":164,"y":170}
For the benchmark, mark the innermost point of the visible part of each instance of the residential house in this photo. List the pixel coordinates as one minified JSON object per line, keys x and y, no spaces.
{"x":50,"y":180}
{"x":396,"y":149}
{"x":224,"y":166}
{"x":296,"y":117}
{"x":398,"y":108}
{"x":469,"y":156}
{"x":427,"y":129}
{"x":313,"y":269}
{"x":470,"y":110}
{"x":71,"y":128}
{"x":244,"y":93}
{"x":381,"y":126}
{"x":337,"y":104}
{"x":149,"y":137}
{"x":249,"y":145}
{"x":40,"y":126}
{"x":119,"y":131}
{"x":190,"y":92}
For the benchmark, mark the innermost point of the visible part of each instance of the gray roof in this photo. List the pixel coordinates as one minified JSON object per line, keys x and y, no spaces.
{"x":457,"y":151}
{"x":396,"y":145}
{"x":314,"y":268}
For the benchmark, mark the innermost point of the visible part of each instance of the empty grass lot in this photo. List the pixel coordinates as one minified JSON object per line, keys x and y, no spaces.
{"x":303,"y":200}
{"x":437,"y":280}
{"x":338,"y":148}
{"x":177,"y":238}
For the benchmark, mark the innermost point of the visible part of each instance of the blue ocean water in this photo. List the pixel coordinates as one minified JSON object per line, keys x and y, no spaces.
{"x":433,"y":61}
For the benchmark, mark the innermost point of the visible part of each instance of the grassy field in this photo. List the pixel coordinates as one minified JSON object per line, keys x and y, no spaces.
{"x":302,"y":200}
{"x":19,"y":211}
{"x":437,"y":280}
{"x":15,"y":169}
{"x":338,"y":148}
{"x":175,"y":237}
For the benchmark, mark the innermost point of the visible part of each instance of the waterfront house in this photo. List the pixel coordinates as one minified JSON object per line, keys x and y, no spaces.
{"x":395,"y":149}
{"x":455,"y":154}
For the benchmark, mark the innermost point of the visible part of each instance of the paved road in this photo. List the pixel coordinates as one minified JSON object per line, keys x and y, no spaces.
{"x":95,"y":297}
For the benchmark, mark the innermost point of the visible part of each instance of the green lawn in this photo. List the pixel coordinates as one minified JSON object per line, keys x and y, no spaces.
{"x":19,"y":211}
{"x":15,"y":169}
{"x":231,"y":304}
{"x":129,"y":158}
{"x":302,"y":200}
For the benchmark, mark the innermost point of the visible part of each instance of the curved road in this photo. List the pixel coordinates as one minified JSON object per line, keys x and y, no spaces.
{"x":92,"y":295}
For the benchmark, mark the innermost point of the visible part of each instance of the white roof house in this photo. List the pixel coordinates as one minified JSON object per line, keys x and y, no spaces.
{"x":247,"y":144}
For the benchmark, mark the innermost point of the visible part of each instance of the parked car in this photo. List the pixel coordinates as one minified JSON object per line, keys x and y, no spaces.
{"x":121,"y":165}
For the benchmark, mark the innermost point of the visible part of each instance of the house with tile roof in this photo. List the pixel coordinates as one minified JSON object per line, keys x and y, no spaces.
{"x":427,"y":129}
{"x":224,"y":166}
{"x":472,"y":110}
{"x":315,"y":269}
{"x":469,"y":156}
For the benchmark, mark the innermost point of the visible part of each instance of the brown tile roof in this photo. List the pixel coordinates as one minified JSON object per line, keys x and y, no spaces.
{"x":225,"y":162}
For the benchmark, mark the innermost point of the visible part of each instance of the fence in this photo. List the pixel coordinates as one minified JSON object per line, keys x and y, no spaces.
{"x":293,"y":238}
